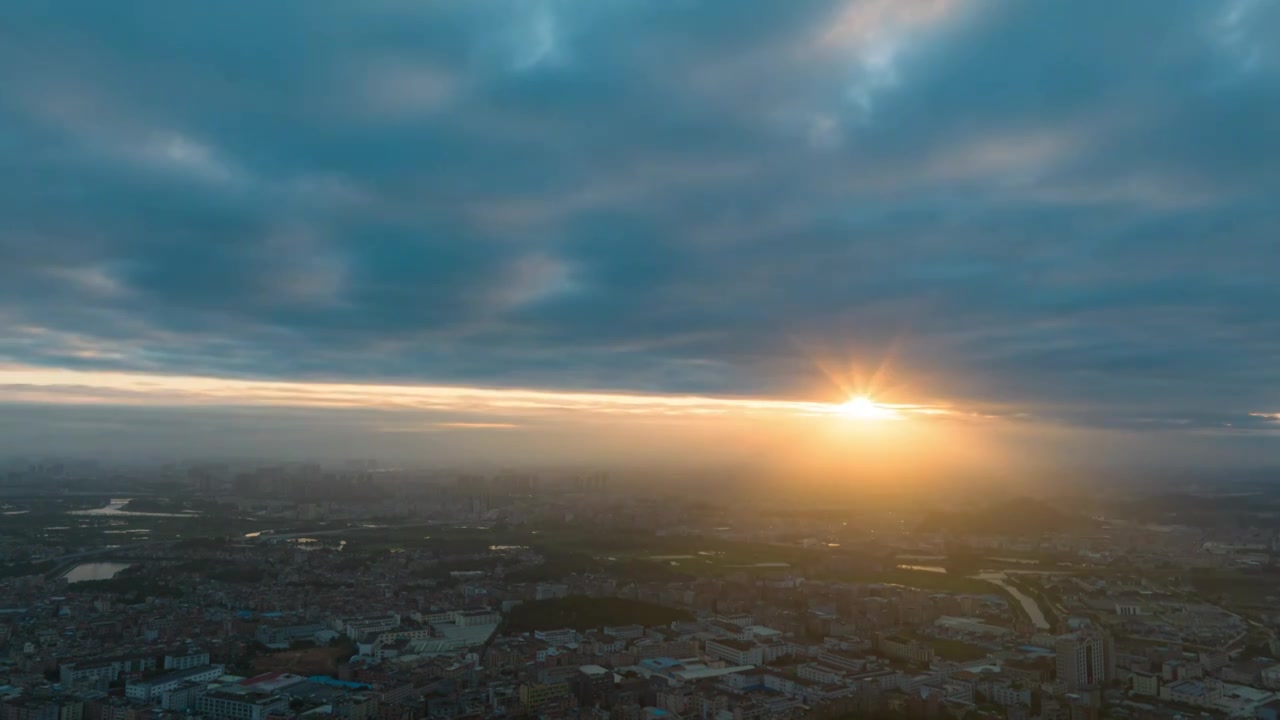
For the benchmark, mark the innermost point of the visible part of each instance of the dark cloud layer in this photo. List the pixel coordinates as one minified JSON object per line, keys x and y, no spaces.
{"x":1061,"y":208}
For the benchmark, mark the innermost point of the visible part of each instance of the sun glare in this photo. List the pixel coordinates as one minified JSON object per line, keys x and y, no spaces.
{"x":862,"y":407}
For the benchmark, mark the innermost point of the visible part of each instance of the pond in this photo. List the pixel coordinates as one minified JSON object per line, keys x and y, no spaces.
{"x":924,"y":568}
{"x":94,"y":571}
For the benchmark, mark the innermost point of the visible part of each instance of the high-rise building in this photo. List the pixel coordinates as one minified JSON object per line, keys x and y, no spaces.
{"x":1085,"y":659}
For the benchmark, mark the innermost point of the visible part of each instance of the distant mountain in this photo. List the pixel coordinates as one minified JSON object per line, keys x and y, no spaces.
{"x":1019,"y":516}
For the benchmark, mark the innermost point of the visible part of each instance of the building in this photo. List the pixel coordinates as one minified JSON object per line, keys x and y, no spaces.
{"x":592,"y":684}
{"x":625,"y":632}
{"x":469,"y":618}
{"x":736,"y":652}
{"x":32,"y":709}
{"x":150,"y":690}
{"x":846,"y":661}
{"x":1175,"y":670}
{"x":1268,"y":711}
{"x":434,"y":617}
{"x":547,"y":591}
{"x":1193,"y":692}
{"x":236,"y":703}
{"x":820,"y":673}
{"x":538,"y":695}
{"x":1146,"y":683}
{"x":71,"y":674}
{"x":900,"y":648}
{"x":283,"y":635}
{"x":1270,"y":677}
{"x":365,"y":627}
{"x":186,"y":660}
{"x":557,"y":638}
{"x":183,"y":697}
{"x":1007,"y":693}
{"x":1085,"y":659}
{"x":1214,"y":660}
{"x":104,"y":671}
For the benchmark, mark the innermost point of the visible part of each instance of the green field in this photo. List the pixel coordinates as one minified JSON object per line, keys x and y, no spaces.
{"x":955,"y":650}
{"x":583,"y":613}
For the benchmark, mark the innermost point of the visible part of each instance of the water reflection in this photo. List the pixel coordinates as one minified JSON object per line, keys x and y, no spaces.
{"x":924,"y":568}
{"x":116,"y":508}
{"x":94,"y":571}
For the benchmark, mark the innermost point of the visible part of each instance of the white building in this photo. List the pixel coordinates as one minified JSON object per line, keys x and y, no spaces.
{"x":183,"y":697}
{"x":819,"y":674}
{"x":1193,"y":692}
{"x":626,"y":632}
{"x":1083,"y":660}
{"x":1146,"y":683}
{"x":150,"y":690}
{"x":361,"y":628}
{"x":230,"y":704}
{"x":73,"y":674}
{"x":434,"y":617}
{"x":734,"y":651}
{"x":470,"y":618}
{"x":557,"y":638}
{"x":186,"y":661}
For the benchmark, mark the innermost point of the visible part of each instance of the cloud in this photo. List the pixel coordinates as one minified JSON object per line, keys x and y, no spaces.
{"x":402,"y":89}
{"x":476,"y":426}
{"x":1063,"y":209}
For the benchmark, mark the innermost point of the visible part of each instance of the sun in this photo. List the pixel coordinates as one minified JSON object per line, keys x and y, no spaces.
{"x":861,"y":407}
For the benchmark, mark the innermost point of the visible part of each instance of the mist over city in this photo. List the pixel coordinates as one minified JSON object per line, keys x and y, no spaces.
{"x":640,"y":360}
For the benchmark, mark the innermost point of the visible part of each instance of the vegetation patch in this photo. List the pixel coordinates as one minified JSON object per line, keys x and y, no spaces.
{"x":584,"y":613}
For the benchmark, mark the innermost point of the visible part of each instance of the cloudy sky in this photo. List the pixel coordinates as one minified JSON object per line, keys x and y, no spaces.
{"x":1054,"y":215}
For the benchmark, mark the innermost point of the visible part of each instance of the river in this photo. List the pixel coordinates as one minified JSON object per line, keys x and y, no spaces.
{"x":94,"y":571}
{"x":115,"y":508}
{"x":1028,"y":603}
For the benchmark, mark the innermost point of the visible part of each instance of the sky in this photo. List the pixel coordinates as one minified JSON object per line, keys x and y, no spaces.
{"x":546,"y":228}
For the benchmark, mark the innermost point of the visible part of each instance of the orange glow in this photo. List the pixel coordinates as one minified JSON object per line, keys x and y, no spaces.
{"x":863,"y":440}
{"x":470,"y":407}
{"x":861,"y":407}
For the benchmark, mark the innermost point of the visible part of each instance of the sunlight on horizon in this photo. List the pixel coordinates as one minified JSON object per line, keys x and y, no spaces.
{"x":80,"y":387}
{"x":861,"y":407}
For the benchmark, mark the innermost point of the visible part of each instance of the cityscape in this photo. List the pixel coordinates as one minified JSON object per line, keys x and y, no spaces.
{"x":640,"y":360}
{"x":259,"y":591}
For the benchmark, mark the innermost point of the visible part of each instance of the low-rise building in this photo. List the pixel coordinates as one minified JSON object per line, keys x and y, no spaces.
{"x":557,"y":638}
{"x":900,"y":648}
{"x":1193,"y":692}
{"x":236,"y":703}
{"x":538,"y":695}
{"x":734,"y":651}
{"x":1270,"y":677}
{"x":186,"y":661}
{"x":1146,"y":683}
{"x":150,"y":690}
{"x":469,"y":618}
